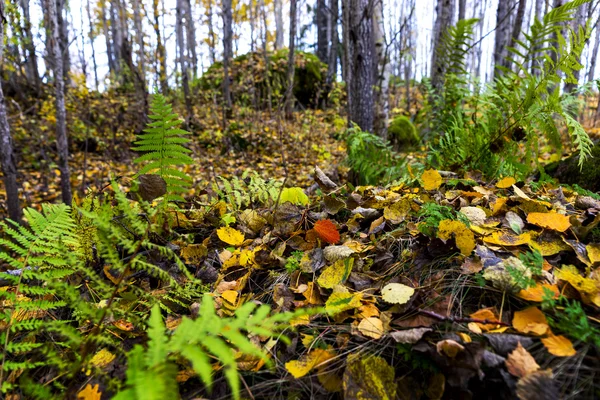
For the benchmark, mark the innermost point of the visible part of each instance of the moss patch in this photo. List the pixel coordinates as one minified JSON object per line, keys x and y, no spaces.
{"x":403,"y":134}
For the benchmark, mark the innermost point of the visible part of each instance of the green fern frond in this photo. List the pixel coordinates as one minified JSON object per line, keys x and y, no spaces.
{"x":163,"y":147}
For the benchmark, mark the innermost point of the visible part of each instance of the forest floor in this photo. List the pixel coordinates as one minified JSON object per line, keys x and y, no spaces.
{"x":446,"y":286}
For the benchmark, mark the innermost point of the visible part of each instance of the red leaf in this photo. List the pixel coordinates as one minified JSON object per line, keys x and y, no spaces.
{"x":327,"y":231}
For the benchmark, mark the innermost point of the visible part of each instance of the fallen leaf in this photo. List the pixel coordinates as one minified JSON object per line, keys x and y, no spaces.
{"x":294,"y":195}
{"x":520,"y":363}
{"x":550,"y":220}
{"x":559,"y":346}
{"x":327,"y":231}
{"x":89,"y":392}
{"x":102,"y":358}
{"x":368,"y":377}
{"x":301,"y":367}
{"x":506,"y":182}
{"x":431,"y":179}
{"x":501,"y":238}
{"x":409,"y":336}
{"x":449,"y":347}
{"x":536,"y":293}
{"x":371,"y":327}
{"x":230,"y":236}
{"x":486,"y":314}
{"x":339,"y":302}
{"x":397,"y":293}
{"x":335,"y":274}
{"x":463,"y":236}
{"x":530,"y":320}
{"x":194,"y":253}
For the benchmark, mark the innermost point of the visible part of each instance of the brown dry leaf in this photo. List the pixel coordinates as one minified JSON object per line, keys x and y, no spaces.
{"x":89,"y":392}
{"x":409,"y":336}
{"x":431,"y":179}
{"x":436,"y":386}
{"x":398,"y":211}
{"x":371,"y":327}
{"x":550,"y":220}
{"x":520,"y":363}
{"x":471,"y":266}
{"x":538,"y":385}
{"x":559,"y":346}
{"x":488,"y":314}
{"x":501,"y":238}
{"x":463,"y":236}
{"x":449,"y":347}
{"x":531,"y":320}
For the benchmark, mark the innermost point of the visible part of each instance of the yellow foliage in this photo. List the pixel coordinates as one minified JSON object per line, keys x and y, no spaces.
{"x":230,"y":236}
{"x":431,"y":179}
{"x":463,"y":236}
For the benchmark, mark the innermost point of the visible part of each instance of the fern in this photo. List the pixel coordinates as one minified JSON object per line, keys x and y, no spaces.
{"x":164,"y":149}
{"x":502,"y":130}
{"x":151,"y":373}
{"x":248,"y":190}
{"x":372,"y":159}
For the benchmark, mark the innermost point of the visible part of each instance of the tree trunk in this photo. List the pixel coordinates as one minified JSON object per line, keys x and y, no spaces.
{"x":347,"y":56}
{"x":278,"y":6}
{"x":382,"y":103}
{"x":7,"y":159}
{"x":462,"y":9}
{"x":62,"y":143}
{"x":63,"y":26}
{"x":289,"y":93}
{"x":264,"y":34}
{"x":190,"y":35}
{"x":160,"y":51}
{"x":445,"y":15}
{"x":139,"y":35}
{"x":91,"y":36}
{"x":578,"y":21}
{"x":211,"y":33}
{"x":110,"y":54}
{"x":334,"y":49}
{"x":183,"y":63}
{"x":227,"y":54}
{"x":31,"y":66}
{"x":322,"y":19}
{"x":502,"y":35}
{"x":594,"y":56}
{"x":539,"y":10}
{"x":362,"y":64}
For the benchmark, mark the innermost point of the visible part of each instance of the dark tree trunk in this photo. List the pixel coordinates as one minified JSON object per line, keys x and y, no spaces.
{"x":362,"y":64}
{"x":322,"y":19}
{"x":516,"y":28}
{"x":227,"y":54}
{"x":62,"y":142}
{"x":7,"y":159}
{"x":502,"y":34}
{"x":63,"y":33}
{"x":110,"y":54}
{"x":289,"y":93}
{"x":139,"y":35}
{"x":332,"y":62}
{"x":31,"y":66}
{"x":445,"y":14}
{"x":462,"y":9}
{"x":91,"y":36}
{"x":190,"y":37}
{"x":160,"y":50}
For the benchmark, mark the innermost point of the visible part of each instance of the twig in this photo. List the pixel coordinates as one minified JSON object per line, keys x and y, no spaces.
{"x":461,"y":320}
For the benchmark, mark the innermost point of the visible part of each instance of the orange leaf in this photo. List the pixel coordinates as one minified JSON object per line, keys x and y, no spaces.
{"x":559,"y":346}
{"x":551,"y":220}
{"x":530,"y":320}
{"x":536,"y":293}
{"x":520,"y":363}
{"x":89,"y":393}
{"x":327,"y":231}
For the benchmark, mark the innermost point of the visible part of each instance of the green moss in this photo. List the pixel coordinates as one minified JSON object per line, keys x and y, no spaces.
{"x":403,"y":133}
{"x":568,"y":171}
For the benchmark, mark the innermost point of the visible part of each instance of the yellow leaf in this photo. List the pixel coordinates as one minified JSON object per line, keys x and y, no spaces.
{"x":230,"y":236}
{"x":294,"y":195}
{"x":506,"y":182}
{"x":102,"y":358}
{"x":431,"y":179}
{"x":587,"y":287}
{"x":89,"y":393}
{"x":300,"y":320}
{"x":371,"y":327}
{"x":486,"y":314}
{"x":340,"y":301}
{"x":593,"y":252}
{"x":549,"y":220}
{"x":335,"y":274}
{"x":230,"y":296}
{"x":548,"y":245}
{"x":530,"y":320}
{"x":463,"y":236}
{"x":301,"y":367}
{"x":368,"y":377}
{"x":501,"y":238}
{"x":398,"y":211}
{"x":449,"y":347}
{"x":520,"y":363}
{"x":193,"y":253}
{"x":559,"y":346}
{"x":397,"y":293}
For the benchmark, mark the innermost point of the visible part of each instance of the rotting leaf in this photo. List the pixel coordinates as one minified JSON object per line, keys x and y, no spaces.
{"x":502,"y":238}
{"x":409,"y":336}
{"x":368,"y":377}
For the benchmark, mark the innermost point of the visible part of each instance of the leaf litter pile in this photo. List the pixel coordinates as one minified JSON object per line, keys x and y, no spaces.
{"x":443,"y":288}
